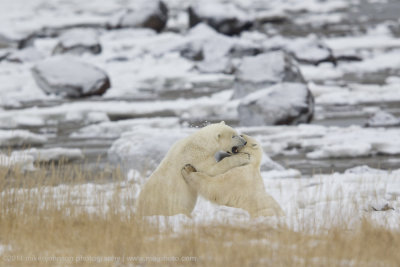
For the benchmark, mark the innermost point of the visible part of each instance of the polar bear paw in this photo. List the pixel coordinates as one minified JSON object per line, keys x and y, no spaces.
{"x":188,"y":169}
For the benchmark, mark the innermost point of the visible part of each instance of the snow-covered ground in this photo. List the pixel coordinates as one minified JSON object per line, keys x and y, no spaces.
{"x":310,"y":203}
{"x":162,"y":83}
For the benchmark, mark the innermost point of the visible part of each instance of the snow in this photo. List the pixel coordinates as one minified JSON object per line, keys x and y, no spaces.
{"x":355,"y":93}
{"x":309,"y":48}
{"x":25,"y":162}
{"x":378,"y":38}
{"x":83,"y":111}
{"x":327,"y":142}
{"x":50,"y":154}
{"x":20,"y":138}
{"x":79,"y":37}
{"x":219,"y":11}
{"x":354,"y":142}
{"x":24,"y":159}
{"x":159,"y":90}
{"x":310,"y":203}
{"x":114,"y":129}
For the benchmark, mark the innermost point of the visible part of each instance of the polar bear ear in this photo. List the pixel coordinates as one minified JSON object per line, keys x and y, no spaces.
{"x":222,"y":122}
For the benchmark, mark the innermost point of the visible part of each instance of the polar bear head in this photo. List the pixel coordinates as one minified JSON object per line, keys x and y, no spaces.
{"x":222,"y":138}
{"x":254,"y":149}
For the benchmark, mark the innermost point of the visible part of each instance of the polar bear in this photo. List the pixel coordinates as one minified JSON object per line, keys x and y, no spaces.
{"x":240,"y":187}
{"x":166,"y":192}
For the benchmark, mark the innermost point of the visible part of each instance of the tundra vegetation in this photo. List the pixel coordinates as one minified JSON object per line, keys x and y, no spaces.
{"x":51,"y":217}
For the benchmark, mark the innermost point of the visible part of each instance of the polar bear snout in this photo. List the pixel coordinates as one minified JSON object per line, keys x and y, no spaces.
{"x":240,"y":142}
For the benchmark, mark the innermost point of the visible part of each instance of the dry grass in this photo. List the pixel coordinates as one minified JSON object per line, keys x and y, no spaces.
{"x":37,"y":230}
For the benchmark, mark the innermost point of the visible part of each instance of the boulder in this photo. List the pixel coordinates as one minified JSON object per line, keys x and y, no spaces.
{"x":143,"y":148}
{"x":263,"y":70}
{"x":283,"y":103}
{"x":18,"y":138}
{"x":4,"y":54}
{"x":29,"y":54}
{"x":145,"y":14}
{"x":66,"y":76}
{"x":16,"y":40}
{"x":78,"y":41}
{"x":214,"y":51}
{"x":383,"y":119}
{"x":311,"y":50}
{"x":225,"y":18}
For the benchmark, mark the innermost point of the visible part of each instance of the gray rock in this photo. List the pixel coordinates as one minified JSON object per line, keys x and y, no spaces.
{"x":78,"y":41}
{"x":283,"y":103}
{"x":143,"y":148}
{"x":4,"y":54}
{"x":145,"y":14}
{"x":264,"y":70}
{"x":311,"y":50}
{"x":215,"y":51}
{"x":69,"y":77}
{"x":383,"y":119}
{"x":271,"y":16}
{"x":16,"y":40}
{"x":29,"y":54}
{"x":225,"y":18}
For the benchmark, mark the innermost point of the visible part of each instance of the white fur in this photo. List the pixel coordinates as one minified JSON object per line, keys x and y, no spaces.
{"x":240,"y":187}
{"x":166,"y":192}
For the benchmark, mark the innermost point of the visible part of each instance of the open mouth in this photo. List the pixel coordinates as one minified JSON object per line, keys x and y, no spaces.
{"x":235,"y":150}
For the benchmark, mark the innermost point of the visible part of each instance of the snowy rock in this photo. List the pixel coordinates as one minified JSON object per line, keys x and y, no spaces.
{"x":352,"y":142}
{"x":78,"y":41}
{"x":69,"y":77}
{"x":25,"y":162}
{"x":51,"y":154}
{"x":172,"y":76}
{"x":364,"y":169}
{"x":145,"y":14}
{"x":143,"y":148}
{"x":20,"y":138}
{"x":4,"y":54}
{"x":29,"y":54}
{"x":283,"y":103}
{"x":267,"y":164}
{"x":15,"y":40}
{"x":383,"y":119}
{"x":225,"y":18}
{"x":271,"y":16}
{"x":310,"y":50}
{"x":264,"y":70}
{"x":114,"y":129}
{"x":215,"y":51}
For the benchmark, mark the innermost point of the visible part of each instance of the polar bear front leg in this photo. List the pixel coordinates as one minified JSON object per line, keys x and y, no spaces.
{"x":229,"y":163}
{"x":207,"y":186}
